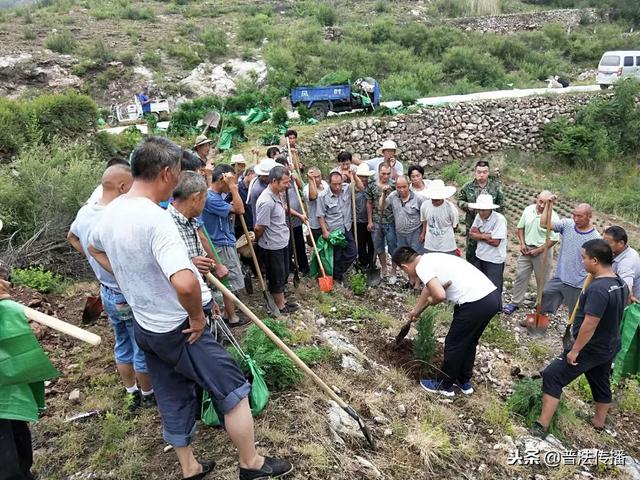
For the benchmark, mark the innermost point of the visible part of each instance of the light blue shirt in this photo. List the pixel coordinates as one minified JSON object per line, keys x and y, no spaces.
{"x":569,"y":268}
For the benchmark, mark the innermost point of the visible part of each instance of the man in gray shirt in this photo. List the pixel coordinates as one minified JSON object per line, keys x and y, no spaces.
{"x":334,"y":214}
{"x":272,"y":234}
{"x":312,"y":191}
{"x":406,"y":213}
{"x":626,"y":261}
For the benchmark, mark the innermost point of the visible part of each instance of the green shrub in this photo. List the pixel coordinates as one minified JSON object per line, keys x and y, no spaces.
{"x":425,"y":347}
{"x":128,"y":58}
{"x":359,"y":283}
{"x":69,"y":115}
{"x":279,"y":117}
{"x":131,"y":12}
{"x":188,"y":56}
{"x":37,"y":278}
{"x":13,"y":132}
{"x":99,"y":51}
{"x":61,"y":42}
{"x":215,"y":42}
{"x":304,"y":113}
{"x":326,"y":14}
{"x":254,"y":29}
{"x":526,"y":401}
{"x":188,"y":114}
{"x":629,"y":400}
{"x":474,"y":65}
{"x":29,"y":34}
{"x":151,"y":59}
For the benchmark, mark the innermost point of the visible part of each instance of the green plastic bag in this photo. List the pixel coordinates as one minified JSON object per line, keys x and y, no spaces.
{"x":325,"y":249}
{"x":23,"y":366}
{"x":627,"y":361}
{"x":255,"y":116}
{"x":258,"y":399}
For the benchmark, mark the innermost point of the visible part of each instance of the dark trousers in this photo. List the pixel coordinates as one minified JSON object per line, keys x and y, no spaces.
{"x":494,"y":272}
{"x":343,"y":257}
{"x":16,"y":454}
{"x":596,"y":369}
{"x":469,"y":321}
{"x":301,"y":250}
{"x":470,"y":250}
{"x":366,"y":252}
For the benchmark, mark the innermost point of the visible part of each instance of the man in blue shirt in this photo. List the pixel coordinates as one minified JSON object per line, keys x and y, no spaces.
{"x":217,"y":221}
{"x":145,"y":102}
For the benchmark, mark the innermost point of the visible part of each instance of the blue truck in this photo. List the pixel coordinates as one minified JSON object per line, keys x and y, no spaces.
{"x":364,"y":93}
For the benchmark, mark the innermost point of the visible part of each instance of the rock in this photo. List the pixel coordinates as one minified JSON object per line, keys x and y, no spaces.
{"x":381,"y":420}
{"x":167,"y":448}
{"x":35,"y":302}
{"x":321,"y":322}
{"x":631,"y":467}
{"x":340,"y":343}
{"x":336,"y":389}
{"x":370,"y":469}
{"x":402,"y":410}
{"x":76,"y":396}
{"x":350,"y":363}
{"x":208,"y":79}
{"x":341,"y":423}
{"x":387,"y":432}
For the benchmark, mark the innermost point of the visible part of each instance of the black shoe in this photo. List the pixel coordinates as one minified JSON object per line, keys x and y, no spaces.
{"x":134,"y":400}
{"x":289,"y":308}
{"x":242,"y":320}
{"x":148,"y":401}
{"x":207,"y":467}
{"x":537,"y":430}
{"x":272,"y":468}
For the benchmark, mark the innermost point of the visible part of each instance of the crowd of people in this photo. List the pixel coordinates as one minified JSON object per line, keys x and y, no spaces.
{"x":157,"y":225}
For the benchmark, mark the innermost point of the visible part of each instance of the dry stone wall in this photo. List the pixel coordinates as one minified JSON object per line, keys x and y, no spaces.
{"x":439,"y":135}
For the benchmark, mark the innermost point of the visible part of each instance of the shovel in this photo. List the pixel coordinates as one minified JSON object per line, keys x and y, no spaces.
{"x":325,"y":282}
{"x":210,"y":120}
{"x":296,"y":270}
{"x":407,"y":326}
{"x":92,"y":309}
{"x":539,"y":322}
{"x":299,"y":363}
{"x":271,"y":303}
{"x":567,"y":340}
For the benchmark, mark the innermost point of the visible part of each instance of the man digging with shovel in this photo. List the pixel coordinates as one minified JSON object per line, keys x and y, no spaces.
{"x":476,"y":302}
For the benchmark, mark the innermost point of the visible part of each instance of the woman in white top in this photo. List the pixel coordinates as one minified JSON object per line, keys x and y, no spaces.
{"x":418,"y":183}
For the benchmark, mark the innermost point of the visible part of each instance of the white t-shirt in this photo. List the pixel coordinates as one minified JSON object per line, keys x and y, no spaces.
{"x":95,"y":196}
{"x":496,"y":225}
{"x":313,"y":204}
{"x":86,"y":220}
{"x":468,"y":284}
{"x":145,"y":249}
{"x":441,"y":221}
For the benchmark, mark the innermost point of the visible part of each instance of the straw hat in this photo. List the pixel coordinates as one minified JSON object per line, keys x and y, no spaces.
{"x":202,"y":140}
{"x":437,"y":190}
{"x":265,"y":166}
{"x":238,"y":158}
{"x":364,"y":170}
{"x":388,"y":145}
{"x":484,"y":202}
{"x":243,"y":247}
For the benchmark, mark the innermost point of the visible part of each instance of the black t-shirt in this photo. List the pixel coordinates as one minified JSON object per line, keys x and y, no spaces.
{"x":605,"y":298}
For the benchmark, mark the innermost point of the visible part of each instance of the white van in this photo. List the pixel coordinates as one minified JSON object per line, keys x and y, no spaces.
{"x":617,"y":65}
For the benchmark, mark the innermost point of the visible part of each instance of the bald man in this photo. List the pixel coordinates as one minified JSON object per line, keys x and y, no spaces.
{"x":532,"y":238}
{"x":130,"y":360}
{"x":566,"y":283}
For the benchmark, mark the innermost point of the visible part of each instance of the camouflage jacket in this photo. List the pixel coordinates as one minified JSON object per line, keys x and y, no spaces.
{"x":470,"y":191}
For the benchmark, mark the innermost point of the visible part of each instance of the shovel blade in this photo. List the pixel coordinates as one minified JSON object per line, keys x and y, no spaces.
{"x":211,"y":119}
{"x":373,"y":277}
{"x":92,"y":309}
{"x":403,"y":332}
{"x":273,"y":309}
{"x":567,"y":339}
{"x":326,"y":284}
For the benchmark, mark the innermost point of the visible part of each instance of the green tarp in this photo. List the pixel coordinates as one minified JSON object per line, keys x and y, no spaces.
{"x":23,"y":366}
{"x":256,"y":115}
{"x":627,"y":361}
{"x":325,"y":249}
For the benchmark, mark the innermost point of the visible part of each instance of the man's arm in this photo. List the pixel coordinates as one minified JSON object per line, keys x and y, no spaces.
{"x":432,"y":294}
{"x":75,"y":242}
{"x":101,"y":258}
{"x":585,"y":333}
{"x":237,"y":205}
{"x":190,"y":297}
{"x":312,"y":189}
{"x":545,"y":214}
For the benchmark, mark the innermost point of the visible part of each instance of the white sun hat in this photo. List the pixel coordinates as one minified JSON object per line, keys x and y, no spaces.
{"x":237,"y":158}
{"x":484,"y":202}
{"x":364,"y":170}
{"x":388,"y":145}
{"x":437,"y":190}
{"x":265,"y":166}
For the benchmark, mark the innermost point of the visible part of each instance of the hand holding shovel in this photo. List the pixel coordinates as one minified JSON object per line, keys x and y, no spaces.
{"x":407,"y":326}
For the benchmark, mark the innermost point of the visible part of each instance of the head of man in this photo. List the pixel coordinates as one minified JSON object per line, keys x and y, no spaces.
{"x":316,"y":175}
{"x":279,"y":179}
{"x":190,"y":194}
{"x":238,"y":168}
{"x":541,"y":199}
{"x":481,"y":172}
{"x":596,"y":255}
{"x":191,"y":162}
{"x":292,"y":137}
{"x":249,"y":174}
{"x":402,"y":187}
{"x":582,"y":216}
{"x":273,"y":152}
{"x":203,"y":150}
{"x":116,"y":180}
{"x":484,"y":214}
{"x":384,"y":173}
{"x":344,"y":161}
{"x":219,"y":177}
{"x":116,"y":161}
{"x":156,"y":162}
{"x":416,"y":175}
{"x":388,"y":154}
{"x":335,"y":182}
{"x":407,"y":259}
{"x":617,"y":239}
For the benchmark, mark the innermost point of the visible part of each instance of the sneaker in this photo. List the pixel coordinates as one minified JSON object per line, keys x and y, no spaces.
{"x":435,"y":386}
{"x":242,"y":320}
{"x":537,"y":430}
{"x":465,"y":388}
{"x":289,"y":308}
{"x":510,"y":308}
{"x":207,"y":467}
{"x":148,"y":401}
{"x":272,"y":468}
{"x":133,"y":401}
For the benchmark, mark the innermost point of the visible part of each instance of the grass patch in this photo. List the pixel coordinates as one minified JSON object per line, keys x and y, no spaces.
{"x":629,"y":396}
{"x":112,"y":432}
{"x":358,"y":283}
{"x":432,"y":443}
{"x":498,"y":415}
{"x":539,"y":351}
{"x":61,"y":42}
{"x":39,"y":279}
{"x":499,"y":336}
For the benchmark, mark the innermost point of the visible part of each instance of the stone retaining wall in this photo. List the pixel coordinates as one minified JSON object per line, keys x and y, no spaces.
{"x":442,"y":134}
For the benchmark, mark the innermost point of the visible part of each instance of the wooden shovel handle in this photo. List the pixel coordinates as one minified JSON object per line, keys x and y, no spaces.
{"x":315,"y":249}
{"x":61,"y":326}
{"x":253,"y":253}
{"x":586,"y":283}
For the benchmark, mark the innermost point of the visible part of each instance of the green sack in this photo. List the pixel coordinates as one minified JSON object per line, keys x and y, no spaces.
{"x":627,"y":362}
{"x":258,"y":399}
{"x":325,"y":249}
{"x":23,"y":366}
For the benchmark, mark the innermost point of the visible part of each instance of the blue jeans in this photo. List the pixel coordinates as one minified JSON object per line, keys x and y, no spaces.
{"x":121,"y":317}
{"x":384,"y":234}
{"x":410,"y":240}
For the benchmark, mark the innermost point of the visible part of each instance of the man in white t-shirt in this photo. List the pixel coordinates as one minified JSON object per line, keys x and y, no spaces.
{"x":439,"y":219}
{"x":388,"y":151}
{"x":489,"y":229}
{"x":475,"y":300}
{"x":140,"y":244}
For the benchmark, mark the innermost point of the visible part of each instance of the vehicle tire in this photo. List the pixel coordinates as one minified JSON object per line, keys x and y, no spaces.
{"x":112,"y":121}
{"x":319,"y":110}
{"x":603,"y":86}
